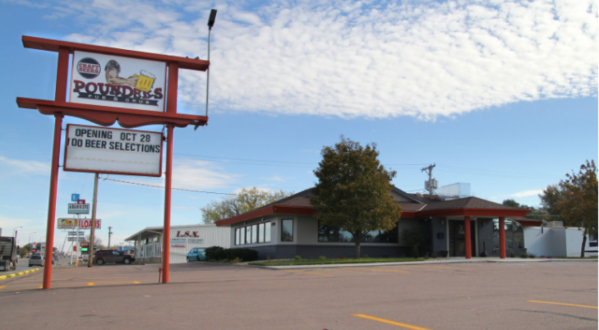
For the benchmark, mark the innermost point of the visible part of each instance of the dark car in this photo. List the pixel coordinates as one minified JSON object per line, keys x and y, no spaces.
{"x":103,"y":256}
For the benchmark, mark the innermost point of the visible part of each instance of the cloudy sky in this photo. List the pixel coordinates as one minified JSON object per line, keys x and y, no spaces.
{"x":499,"y":94}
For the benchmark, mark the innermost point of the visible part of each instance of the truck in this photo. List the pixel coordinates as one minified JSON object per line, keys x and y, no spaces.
{"x":8,"y":253}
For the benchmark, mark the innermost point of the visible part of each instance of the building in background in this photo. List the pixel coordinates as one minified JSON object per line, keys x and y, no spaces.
{"x":148,"y":241}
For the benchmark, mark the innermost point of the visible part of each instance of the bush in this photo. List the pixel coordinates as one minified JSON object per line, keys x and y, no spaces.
{"x":434,"y":255}
{"x":512,"y":255}
{"x":298,"y":258}
{"x":217,"y":253}
{"x":524,"y":255}
{"x":322,"y":258}
{"x":530,"y":255}
{"x":365,"y":256}
{"x":415,"y":251}
{"x":342,"y":257}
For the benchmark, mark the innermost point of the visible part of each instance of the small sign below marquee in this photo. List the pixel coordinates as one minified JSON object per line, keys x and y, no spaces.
{"x":117,"y":81}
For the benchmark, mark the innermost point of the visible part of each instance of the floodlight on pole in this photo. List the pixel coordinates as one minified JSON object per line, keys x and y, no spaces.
{"x":211,"y":20}
{"x":13,"y":231}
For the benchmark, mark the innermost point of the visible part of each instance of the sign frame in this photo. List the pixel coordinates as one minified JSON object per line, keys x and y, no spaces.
{"x":66,"y":150}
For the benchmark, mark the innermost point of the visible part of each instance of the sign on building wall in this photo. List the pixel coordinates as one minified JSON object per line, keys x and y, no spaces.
{"x":112,"y":150}
{"x":178,"y":242}
{"x":117,"y":81}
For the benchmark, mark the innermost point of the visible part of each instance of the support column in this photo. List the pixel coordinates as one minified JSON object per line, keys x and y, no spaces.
{"x":502,"y":237}
{"x":52,"y":201}
{"x":167,"y":205}
{"x":467,"y":238}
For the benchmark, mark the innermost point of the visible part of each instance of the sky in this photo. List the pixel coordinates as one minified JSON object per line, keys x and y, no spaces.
{"x":498,"y":94}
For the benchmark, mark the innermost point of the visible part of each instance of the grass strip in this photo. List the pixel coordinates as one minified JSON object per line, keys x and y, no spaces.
{"x":331,"y":261}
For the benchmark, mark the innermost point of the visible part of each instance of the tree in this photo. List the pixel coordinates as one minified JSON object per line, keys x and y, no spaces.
{"x":578,"y":203}
{"x":353,"y":191}
{"x":575,"y":200}
{"x":247,"y":200}
{"x":535,"y":213}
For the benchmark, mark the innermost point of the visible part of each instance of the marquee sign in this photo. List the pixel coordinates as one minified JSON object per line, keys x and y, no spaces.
{"x":112,"y":150}
{"x":72,"y":223}
{"x":117,"y":81}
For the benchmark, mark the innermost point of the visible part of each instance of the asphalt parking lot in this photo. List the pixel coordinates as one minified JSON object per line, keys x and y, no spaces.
{"x":555,"y":295}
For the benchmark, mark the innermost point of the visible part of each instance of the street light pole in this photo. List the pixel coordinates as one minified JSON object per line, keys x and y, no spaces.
{"x":14,"y":230}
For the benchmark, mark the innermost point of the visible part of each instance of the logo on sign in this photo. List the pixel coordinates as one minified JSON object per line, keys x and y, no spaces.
{"x":74,"y":197}
{"x":89,"y":68}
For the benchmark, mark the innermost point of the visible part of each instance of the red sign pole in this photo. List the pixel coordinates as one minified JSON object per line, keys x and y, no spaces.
{"x":60,"y":95}
{"x":166,"y":235}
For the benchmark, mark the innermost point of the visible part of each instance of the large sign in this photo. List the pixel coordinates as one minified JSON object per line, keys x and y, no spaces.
{"x":116,"y":81}
{"x":112,"y":150}
{"x":78,"y":208}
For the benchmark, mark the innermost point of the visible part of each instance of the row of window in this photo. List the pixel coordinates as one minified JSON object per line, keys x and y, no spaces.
{"x":260,"y":233}
{"x":327,"y":234}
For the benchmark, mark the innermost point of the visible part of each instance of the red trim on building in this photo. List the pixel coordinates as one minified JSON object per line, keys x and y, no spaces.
{"x":529,"y":223}
{"x":474,"y":212}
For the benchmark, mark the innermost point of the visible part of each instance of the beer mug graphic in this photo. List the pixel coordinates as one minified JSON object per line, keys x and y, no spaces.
{"x":145,"y":81}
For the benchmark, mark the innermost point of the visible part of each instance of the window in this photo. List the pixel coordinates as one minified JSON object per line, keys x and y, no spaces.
{"x":236,"y":236}
{"x":248,"y":235}
{"x":267,"y":232}
{"x":254,"y":234}
{"x":261,"y":233}
{"x":242,"y":236}
{"x":514,"y":234}
{"x":287,"y":230}
{"x":338,"y":235}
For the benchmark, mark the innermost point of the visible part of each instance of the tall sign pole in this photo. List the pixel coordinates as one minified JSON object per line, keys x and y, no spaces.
{"x":90,"y":261}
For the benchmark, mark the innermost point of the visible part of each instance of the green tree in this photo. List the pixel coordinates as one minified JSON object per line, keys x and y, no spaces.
{"x":535,"y":213}
{"x":247,"y":200}
{"x":578,"y":203}
{"x":353,"y":191}
{"x":574,"y":200}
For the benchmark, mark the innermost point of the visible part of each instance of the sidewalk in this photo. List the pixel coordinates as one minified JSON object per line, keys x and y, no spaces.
{"x":452,"y":260}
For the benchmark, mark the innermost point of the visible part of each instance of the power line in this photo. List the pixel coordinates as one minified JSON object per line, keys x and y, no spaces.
{"x":162,"y":187}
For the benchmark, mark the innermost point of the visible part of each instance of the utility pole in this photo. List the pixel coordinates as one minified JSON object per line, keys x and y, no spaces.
{"x":109,"y":233}
{"x":90,"y":262}
{"x":431,"y":183}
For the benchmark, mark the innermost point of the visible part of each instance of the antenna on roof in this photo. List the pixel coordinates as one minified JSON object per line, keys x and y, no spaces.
{"x":431,"y":184}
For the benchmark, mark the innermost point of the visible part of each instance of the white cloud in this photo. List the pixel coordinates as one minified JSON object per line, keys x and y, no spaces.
{"x":527,"y":193}
{"x":30,"y":167}
{"x":352,"y":59}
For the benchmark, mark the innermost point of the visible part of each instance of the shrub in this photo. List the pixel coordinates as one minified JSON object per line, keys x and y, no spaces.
{"x":524,"y":255}
{"x":512,"y":255}
{"x":268,"y":257}
{"x":385,"y":256}
{"x":235,"y":261}
{"x":415,"y":251}
{"x":298,"y":258}
{"x":530,"y":255}
{"x":342,"y":257}
{"x":322,"y":258}
{"x":365,"y":256}
{"x":217,"y":253}
{"x":434,"y":255}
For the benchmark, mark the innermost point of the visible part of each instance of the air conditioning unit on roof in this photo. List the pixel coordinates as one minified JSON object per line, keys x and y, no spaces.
{"x":556,"y":224}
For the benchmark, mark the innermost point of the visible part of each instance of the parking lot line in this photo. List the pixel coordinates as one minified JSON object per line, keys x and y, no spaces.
{"x":403,"y":325}
{"x":441,"y":267}
{"x":91,"y":284}
{"x":136,"y":282}
{"x":299,"y":271}
{"x":563,"y":304}
{"x":377,"y":270}
{"x":2,"y":287}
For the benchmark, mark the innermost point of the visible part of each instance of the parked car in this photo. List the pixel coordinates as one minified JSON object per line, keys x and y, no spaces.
{"x":38,"y":259}
{"x":196,"y":254}
{"x":103,"y":256}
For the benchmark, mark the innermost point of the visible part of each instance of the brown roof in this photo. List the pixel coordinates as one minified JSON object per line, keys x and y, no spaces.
{"x":423,"y":206}
{"x":465,"y":203}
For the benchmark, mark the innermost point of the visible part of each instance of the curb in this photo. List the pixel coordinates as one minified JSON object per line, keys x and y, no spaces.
{"x":3,"y":277}
{"x":418,"y":263}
